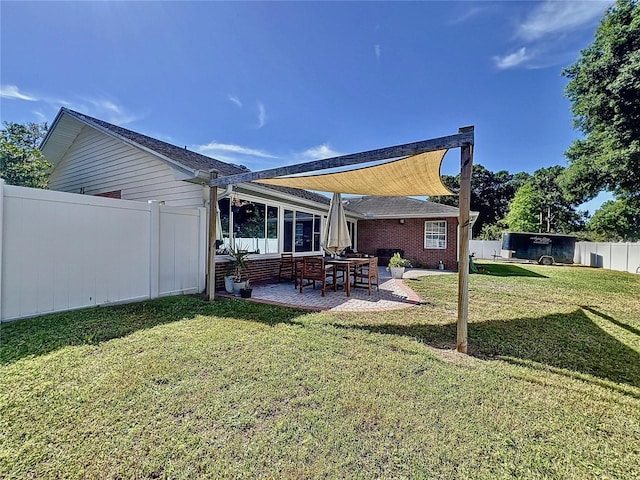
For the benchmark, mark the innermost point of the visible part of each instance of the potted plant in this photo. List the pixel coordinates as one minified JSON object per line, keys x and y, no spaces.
{"x":397,"y":264}
{"x":247,"y":290}
{"x":240,"y":265}
{"x":228,"y":283}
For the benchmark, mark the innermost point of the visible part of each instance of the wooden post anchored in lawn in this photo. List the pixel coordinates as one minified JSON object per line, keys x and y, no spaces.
{"x":211,"y":264}
{"x":466,"y":164}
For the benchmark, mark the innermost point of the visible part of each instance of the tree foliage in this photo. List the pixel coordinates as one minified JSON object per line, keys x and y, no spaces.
{"x":492,"y":231}
{"x":615,"y":221}
{"x":541,"y":205}
{"x":491,"y":193}
{"x":21,"y":162}
{"x":604,"y":90}
{"x":524,"y":210}
{"x":559,"y":213}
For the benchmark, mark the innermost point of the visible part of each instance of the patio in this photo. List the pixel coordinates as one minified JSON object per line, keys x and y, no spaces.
{"x":392,"y":294}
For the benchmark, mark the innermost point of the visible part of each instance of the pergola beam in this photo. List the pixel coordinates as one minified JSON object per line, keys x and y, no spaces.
{"x":463,"y":138}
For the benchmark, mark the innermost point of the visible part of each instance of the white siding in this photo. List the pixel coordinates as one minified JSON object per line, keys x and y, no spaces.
{"x":99,"y":163}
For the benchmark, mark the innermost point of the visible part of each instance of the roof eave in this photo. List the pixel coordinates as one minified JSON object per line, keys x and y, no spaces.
{"x":44,"y":141}
{"x":284,"y":196}
{"x":397,"y":216}
{"x":192,"y":175}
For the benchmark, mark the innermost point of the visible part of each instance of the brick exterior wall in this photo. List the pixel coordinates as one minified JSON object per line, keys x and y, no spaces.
{"x":375,"y":234}
{"x":112,"y":194}
{"x":260,"y":270}
{"x":372,"y":235}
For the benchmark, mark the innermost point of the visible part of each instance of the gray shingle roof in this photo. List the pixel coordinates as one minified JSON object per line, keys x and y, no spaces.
{"x":188,"y":158}
{"x":393,"y":207}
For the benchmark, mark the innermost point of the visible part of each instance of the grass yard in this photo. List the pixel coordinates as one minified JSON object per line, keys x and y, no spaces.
{"x":179,"y":388}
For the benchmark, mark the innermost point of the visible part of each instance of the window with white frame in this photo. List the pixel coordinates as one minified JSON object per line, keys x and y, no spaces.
{"x":301,"y":231}
{"x":435,"y":234}
{"x":255,"y":226}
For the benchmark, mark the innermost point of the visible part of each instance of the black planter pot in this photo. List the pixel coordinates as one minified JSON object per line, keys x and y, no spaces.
{"x":246,"y":292}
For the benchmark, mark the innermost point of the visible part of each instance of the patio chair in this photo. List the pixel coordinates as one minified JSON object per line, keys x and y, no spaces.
{"x":287,"y":267}
{"x":366,"y":274}
{"x":314,"y":270}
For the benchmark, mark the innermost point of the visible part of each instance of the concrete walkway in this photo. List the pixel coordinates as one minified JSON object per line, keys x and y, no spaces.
{"x":393,"y":294}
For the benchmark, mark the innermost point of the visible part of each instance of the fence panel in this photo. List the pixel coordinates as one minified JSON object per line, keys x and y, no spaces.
{"x":179,"y":252}
{"x":634,"y":258}
{"x":62,"y":251}
{"x":624,"y":257}
{"x":619,"y":256}
{"x":485,"y":248}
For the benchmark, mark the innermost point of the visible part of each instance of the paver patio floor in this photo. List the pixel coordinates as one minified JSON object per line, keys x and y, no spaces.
{"x":392,"y":294}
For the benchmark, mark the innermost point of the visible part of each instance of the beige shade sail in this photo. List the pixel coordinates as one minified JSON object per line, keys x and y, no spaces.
{"x":414,"y":175}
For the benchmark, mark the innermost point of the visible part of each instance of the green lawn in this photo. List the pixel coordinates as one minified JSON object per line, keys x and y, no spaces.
{"x":179,"y":388}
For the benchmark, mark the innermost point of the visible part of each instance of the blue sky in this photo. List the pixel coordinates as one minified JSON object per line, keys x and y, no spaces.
{"x":267,"y":83}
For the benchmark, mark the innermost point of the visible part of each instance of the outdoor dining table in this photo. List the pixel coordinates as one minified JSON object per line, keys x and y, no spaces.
{"x":346,"y":264}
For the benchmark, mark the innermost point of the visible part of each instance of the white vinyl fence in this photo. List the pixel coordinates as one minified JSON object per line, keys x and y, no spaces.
{"x":624,"y":257}
{"x":62,"y":251}
{"x":487,"y":249}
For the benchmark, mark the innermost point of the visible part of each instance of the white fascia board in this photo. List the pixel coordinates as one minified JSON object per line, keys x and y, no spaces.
{"x":284,"y":197}
{"x":412,"y":215}
{"x":51,"y":129}
{"x":265,"y":194}
{"x":473,"y":215}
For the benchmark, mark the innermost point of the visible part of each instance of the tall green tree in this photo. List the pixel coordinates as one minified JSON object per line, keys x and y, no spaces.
{"x":524,"y":210}
{"x":491,"y":193}
{"x":604,"y":90}
{"x":541,"y":206}
{"x":559,"y":214}
{"x":615,"y":221}
{"x":21,"y":162}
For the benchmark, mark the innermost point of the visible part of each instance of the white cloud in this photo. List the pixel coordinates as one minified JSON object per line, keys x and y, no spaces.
{"x":468,"y":14}
{"x":320,"y":152}
{"x":235,"y":100}
{"x":12,"y":91}
{"x":377,"y":50}
{"x":252,"y":158}
{"x":103,"y":108}
{"x":41,"y":117}
{"x":262,"y":115}
{"x":221,"y":149}
{"x":513,"y":59}
{"x":549,"y":26}
{"x":559,"y":17}
{"x":100,"y":107}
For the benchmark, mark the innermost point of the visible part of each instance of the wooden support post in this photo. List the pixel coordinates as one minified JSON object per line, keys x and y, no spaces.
{"x":211,"y":264}
{"x":466,"y":164}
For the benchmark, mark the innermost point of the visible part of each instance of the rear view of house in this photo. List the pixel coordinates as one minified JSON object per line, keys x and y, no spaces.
{"x":94,"y":157}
